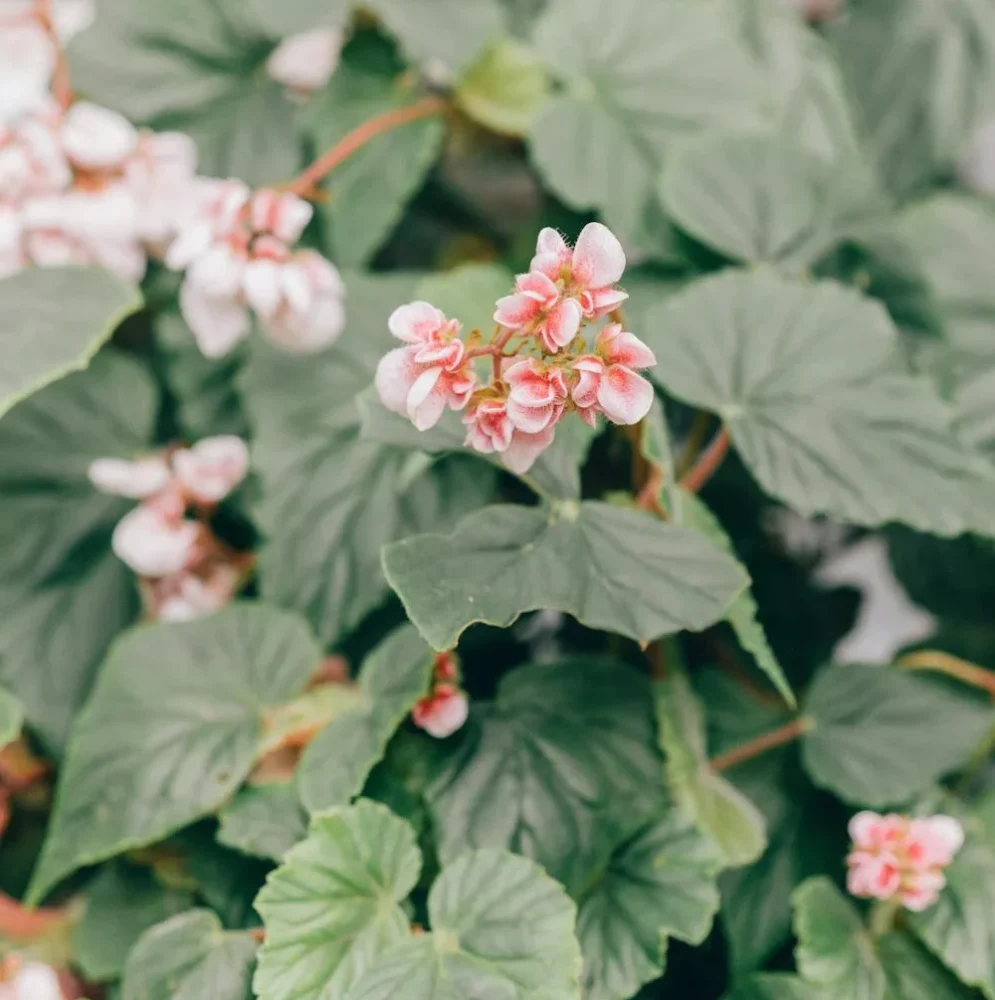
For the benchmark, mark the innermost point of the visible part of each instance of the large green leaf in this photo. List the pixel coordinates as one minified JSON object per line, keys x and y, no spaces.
{"x":613,"y":569}
{"x":638,"y":77}
{"x":289,"y":17}
{"x":264,"y":820}
{"x":541,"y":769}
{"x":172,"y":729}
{"x":879,"y":736}
{"x":190,"y":957}
{"x":718,"y":807}
{"x":809,"y":380}
{"x":122,"y":902}
{"x":54,"y":321}
{"x":63,"y":594}
{"x":197,"y":66}
{"x":659,"y":884}
{"x":913,"y":974}
{"x":500,"y":928}
{"x":328,"y":499}
{"x":760,"y":197}
{"x":920,"y":76}
{"x":776,"y":986}
{"x":335,"y":903}
{"x":11,"y":717}
{"x":338,"y":761}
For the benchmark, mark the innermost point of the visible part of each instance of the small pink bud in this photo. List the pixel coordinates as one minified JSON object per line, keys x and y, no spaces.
{"x":303,"y":63}
{"x":443,"y":712}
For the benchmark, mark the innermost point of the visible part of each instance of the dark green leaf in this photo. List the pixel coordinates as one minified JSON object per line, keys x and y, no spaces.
{"x":776,"y":986}
{"x":264,"y":820}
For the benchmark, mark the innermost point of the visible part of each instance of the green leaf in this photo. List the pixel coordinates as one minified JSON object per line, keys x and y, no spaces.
{"x":172,"y":729}
{"x":63,"y":594}
{"x":190,"y":957}
{"x":328,"y":500}
{"x":290,"y":17}
{"x":879,"y":736}
{"x":334,"y":904}
{"x":122,"y":903}
{"x":451,"y":31}
{"x":11,"y":717}
{"x":368,"y":192}
{"x":759,"y":197}
{"x":659,"y":884}
{"x":776,"y":986}
{"x":541,"y":769}
{"x":743,"y":615}
{"x":919,"y":77}
{"x":913,"y":974}
{"x":613,"y":569}
{"x":721,"y":811}
{"x":810,"y":382}
{"x":338,"y":761}
{"x":662,"y":72}
{"x":834,"y":949}
{"x":960,"y":927}
{"x":197,"y":66}
{"x":264,"y":820}
{"x":505,"y":88}
{"x":55,"y":320}
{"x":467,"y":293}
{"x":500,"y":928}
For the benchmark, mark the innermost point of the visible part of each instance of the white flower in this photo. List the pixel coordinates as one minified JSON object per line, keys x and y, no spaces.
{"x":161,"y":177}
{"x":311,"y":314}
{"x":96,"y":138}
{"x":137,"y":480}
{"x":154,"y":545}
{"x":212,"y":468}
{"x":303,"y":63}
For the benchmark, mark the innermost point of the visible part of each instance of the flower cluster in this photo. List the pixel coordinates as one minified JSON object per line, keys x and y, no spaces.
{"x":445,"y":710}
{"x":895,"y":857}
{"x":541,"y":366}
{"x":186,"y":570}
{"x":28,"y":981}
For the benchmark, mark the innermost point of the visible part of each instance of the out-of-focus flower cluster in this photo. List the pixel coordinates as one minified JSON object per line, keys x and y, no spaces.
{"x":28,"y":981}
{"x":167,"y":540}
{"x":444,"y":711}
{"x":898,"y":858}
{"x":542,"y":367}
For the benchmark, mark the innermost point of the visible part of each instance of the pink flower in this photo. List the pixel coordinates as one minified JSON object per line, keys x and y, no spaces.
{"x":154,"y":545}
{"x":212,"y":468}
{"x":211,"y":301}
{"x":432,"y":372}
{"x":538,"y":395}
{"x":279,"y":214}
{"x":31,"y":158}
{"x":96,"y":138}
{"x":488,"y":427}
{"x":303,"y":63}
{"x":311,"y":312}
{"x":895,"y":857}
{"x":443,"y":712}
{"x":211,"y":213}
{"x":608,"y":382}
{"x":136,"y":479}
{"x":525,"y":448}
{"x":537,"y":307}
{"x":161,"y":176}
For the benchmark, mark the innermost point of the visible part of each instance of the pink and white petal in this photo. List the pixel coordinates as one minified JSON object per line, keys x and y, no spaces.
{"x":561,"y":325}
{"x":944,"y":838}
{"x":549,"y":264}
{"x":97,"y":138}
{"x":312,"y":330}
{"x":524,"y":449}
{"x":153,"y":546}
{"x":415,"y":322}
{"x":626,"y":349}
{"x":396,"y":374}
{"x":136,"y":480}
{"x":219,"y":273}
{"x":865,"y":829}
{"x":538,"y":286}
{"x":601,"y":301}
{"x":531,"y":419}
{"x":624,"y":396}
{"x":550,"y":241}
{"x":218,"y":324}
{"x":212,"y":468}
{"x":443,"y":712}
{"x":460,"y":387}
{"x":585,"y":391}
{"x":516,"y":311}
{"x":598,"y":257}
{"x":261,"y":282}
{"x":427,"y":398}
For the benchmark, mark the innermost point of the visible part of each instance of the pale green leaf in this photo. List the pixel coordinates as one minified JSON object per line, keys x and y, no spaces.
{"x":11,"y":717}
{"x":638,"y":77}
{"x":913,"y":974}
{"x":338,"y":761}
{"x":776,"y":986}
{"x":334,"y":904}
{"x":541,"y":769}
{"x":468,"y":293}
{"x":54,"y":321}
{"x":810,"y":381}
{"x":880,"y":735}
{"x":122,"y":902}
{"x":290,"y":17}
{"x":659,"y":884}
{"x":171,"y":730}
{"x":834,"y":948}
{"x":197,"y":66}
{"x":755,"y":197}
{"x":721,"y":811}
{"x":612,"y":569}
{"x":263,"y":820}
{"x":500,"y":928}
{"x":63,"y":594}
{"x":329,"y":500}
{"x":190,"y":957}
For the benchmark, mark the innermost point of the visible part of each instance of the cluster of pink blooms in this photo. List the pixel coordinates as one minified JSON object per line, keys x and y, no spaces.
{"x":901,"y":858}
{"x":237,"y":250}
{"x":541,"y":366}
{"x":442,"y":712}
{"x":186,"y":570}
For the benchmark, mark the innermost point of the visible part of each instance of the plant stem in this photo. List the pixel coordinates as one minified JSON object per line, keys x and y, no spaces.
{"x":882,"y":917}
{"x":353,"y":141}
{"x":707,"y":463}
{"x":695,"y":440}
{"x":952,"y":666}
{"x":779,"y":737}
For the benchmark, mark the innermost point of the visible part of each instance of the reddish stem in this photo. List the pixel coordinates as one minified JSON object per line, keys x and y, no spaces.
{"x":24,"y":925}
{"x":353,"y":141}
{"x":707,"y":463}
{"x":787,"y":733}
{"x":952,"y":666}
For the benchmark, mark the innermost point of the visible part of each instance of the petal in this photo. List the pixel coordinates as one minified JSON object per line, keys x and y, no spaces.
{"x":863,"y":829}
{"x":531,"y":419}
{"x":427,"y":399}
{"x":35,"y":981}
{"x":136,"y":480}
{"x":601,"y":301}
{"x":396,"y":374}
{"x":598,"y":258}
{"x":561,"y":325}
{"x":304,"y":62}
{"x":152,"y":546}
{"x":97,"y":138}
{"x":585,"y":390}
{"x":443,"y":713}
{"x":550,"y":241}
{"x":217,"y":324}
{"x":261,"y":282}
{"x":524,"y":449}
{"x":516,"y":311}
{"x":538,"y":285}
{"x":212,"y":468}
{"x":624,"y":396}
{"x":548,"y":264}
{"x":415,"y":322}
{"x":310,"y":330}
{"x":625,"y":349}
